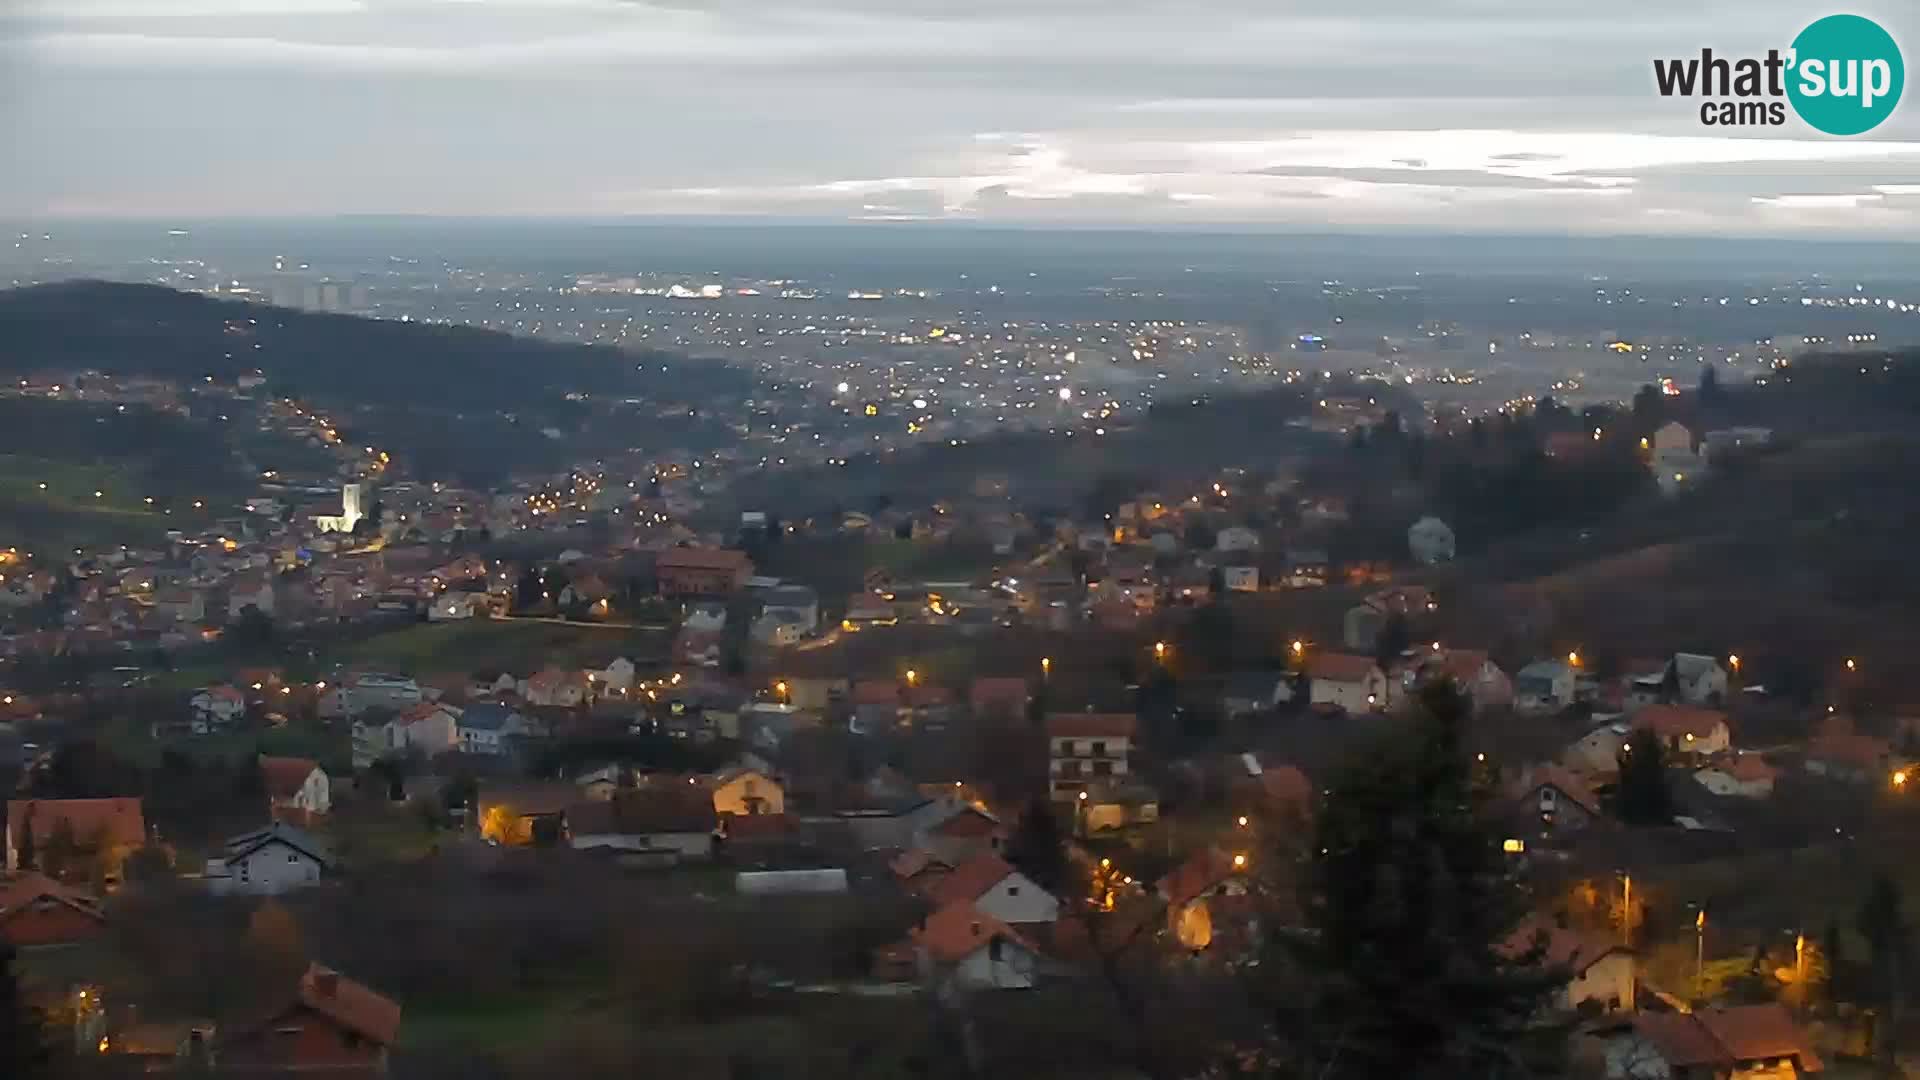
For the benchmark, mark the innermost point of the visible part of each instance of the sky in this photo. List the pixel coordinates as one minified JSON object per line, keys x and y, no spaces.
{"x":1509,"y":116}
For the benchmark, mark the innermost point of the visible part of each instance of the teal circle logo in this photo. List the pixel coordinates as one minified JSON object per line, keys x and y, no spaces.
{"x":1846,"y":75}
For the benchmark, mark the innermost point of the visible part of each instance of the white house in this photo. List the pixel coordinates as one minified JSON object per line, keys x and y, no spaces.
{"x":431,"y":728}
{"x":453,"y":605}
{"x":1346,"y":680}
{"x":799,"y":601}
{"x":370,"y":690}
{"x":961,"y":947}
{"x":488,"y":728}
{"x":552,"y":687}
{"x":1430,"y":541}
{"x":272,"y":860}
{"x":1600,"y":970}
{"x":216,"y":707}
{"x":1544,"y":686}
{"x":617,"y":676}
{"x":1701,"y":679}
{"x":296,"y":786}
{"x":779,"y":628}
{"x":1236,"y":538}
{"x":991,"y":885}
{"x":1676,"y":466}
{"x":706,"y":618}
{"x":1085,"y":750}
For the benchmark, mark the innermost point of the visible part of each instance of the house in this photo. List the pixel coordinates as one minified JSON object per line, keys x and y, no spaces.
{"x":1205,"y":896}
{"x":1430,"y":541}
{"x":489,"y":728}
{"x":1236,"y":538}
{"x":272,"y":860}
{"x":106,"y":827}
{"x":36,"y":910}
{"x":960,"y":947}
{"x":1254,"y":691}
{"x":1084,"y":749}
{"x":778,"y":628}
{"x":918,"y":869}
{"x":332,"y":1025}
{"x":1240,"y":578}
{"x":454,"y":605}
{"x":747,"y":792}
{"x":1544,"y":686}
{"x":554,"y":688}
{"x":1361,"y":625}
{"x":1741,"y":776}
{"x":617,"y":676}
{"x":1474,"y":672}
{"x":1698,"y":680}
{"x":1684,"y":729}
{"x":690,"y":571}
{"x":181,"y":604}
{"x":1599,"y":969}
{"x":522,"y":813}
{"x":1675,"y":464}
{"x":973,"y":831}
{"x":1306,"y":568}
{"x":1560,"y":799}
{"x":1345,"y":680}
{"x":798,"y":601}
{"x":216,"y":708}
{"x":1597,"y":753}
{"x":1760,"y":1041}
{"x":250,"y":592}
{"x":431,"y":728}
{"x":491,"y":682}
{"x":991,"y":885}
{"x":1849,"y":756}
{"x":296,"y":787}
{"x":668,"y":820}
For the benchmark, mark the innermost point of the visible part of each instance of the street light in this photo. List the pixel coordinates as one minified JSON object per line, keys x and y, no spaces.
{"x":1239,"y":862}
{"x":1242,"y":821}
{"x":912,"y":677}
{"x":1299,"y":647}
{"x":1733,"y":661}
{"x":1159,"y":650}
{"x":1851,"y":666}
{"x":1046,"y":665}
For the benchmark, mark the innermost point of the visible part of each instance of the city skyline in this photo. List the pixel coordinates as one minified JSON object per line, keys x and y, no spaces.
{"x":1477,"y":117}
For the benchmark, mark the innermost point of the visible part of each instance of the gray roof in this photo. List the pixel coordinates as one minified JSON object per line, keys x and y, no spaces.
{"x":490,"y":716}
{"x":791,"y":596}
{"x":279,"y":832}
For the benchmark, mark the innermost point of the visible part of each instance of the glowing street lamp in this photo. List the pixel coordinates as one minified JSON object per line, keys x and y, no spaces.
{"x":1573,"y":659}
{"x":1299,"y":647}
{"x":1851,"y":666}
{"x":1046,"y":665}
{"x":1241,"y":821}
{"x":1733,"y":661}
{"x":1159,"y":650}
{"x":1239,"y":862}
{"x":913,"y":677}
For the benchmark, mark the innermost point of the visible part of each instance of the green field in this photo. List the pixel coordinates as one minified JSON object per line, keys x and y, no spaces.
{"x":67,"y":511}
{"x":132,"y":739}
{"x":520,"y":645}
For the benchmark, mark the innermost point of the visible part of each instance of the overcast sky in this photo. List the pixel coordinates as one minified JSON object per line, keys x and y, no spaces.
{"x":1499,"y":115}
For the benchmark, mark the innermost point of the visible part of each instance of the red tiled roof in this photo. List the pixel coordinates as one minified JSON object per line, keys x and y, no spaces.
{"x":1669,"y":721}
{"x":1091,"y":725}
{"x":998,"y":693}
{"x":1860,"y":751}
{"x":285,"y":776}
{"x":969,"y":824}
{"x":120,"y":819}
{"x":1287,"y":786}
{"x":1192,"y":879}
{"x":21,"y":889}
{"x":352,"y":1005}
{"x":1572,"y":950}
{"x":1747,"y":768}
{"x":970,"y":880}
{"x":1561,"y":780}
{"x":957,"y":930}
{"x":1726,"y":1038}
{"x":1340,"y":667}
{"x":1462,"y":665}
{"x":691,"y":558}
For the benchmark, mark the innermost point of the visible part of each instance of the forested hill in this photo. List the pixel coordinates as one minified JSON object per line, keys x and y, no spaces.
{"x":150,"y":330}
{"x":450,"y":402}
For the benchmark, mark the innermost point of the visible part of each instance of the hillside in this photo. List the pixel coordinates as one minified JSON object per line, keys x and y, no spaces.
{"x":452,"y":401}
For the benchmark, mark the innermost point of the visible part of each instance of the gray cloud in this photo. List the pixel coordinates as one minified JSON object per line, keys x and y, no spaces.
{"x":1463,"y":113}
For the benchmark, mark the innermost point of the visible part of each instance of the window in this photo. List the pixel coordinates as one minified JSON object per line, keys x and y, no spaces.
{"x":750,"y":788}
{"x":292,"y":857}
{"x":1099,"y":749}
{"x":1103,"y":768}
{"x":993,"y":950}
{"x":1013,"y":890}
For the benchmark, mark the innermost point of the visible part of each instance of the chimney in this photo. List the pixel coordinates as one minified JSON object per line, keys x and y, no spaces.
{"x":976,"y":929}
{"x":326,"y":983}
